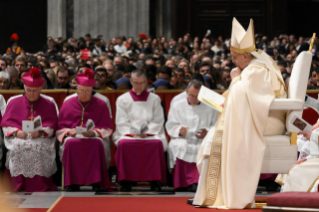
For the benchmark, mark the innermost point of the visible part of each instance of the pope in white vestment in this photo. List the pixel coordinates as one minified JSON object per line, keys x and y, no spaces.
{"x":140,"y":137}
{"x":230,"y":158}
{"x":188,"y":113}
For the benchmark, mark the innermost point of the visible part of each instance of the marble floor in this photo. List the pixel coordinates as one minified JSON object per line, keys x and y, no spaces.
{"x":46,"y":199}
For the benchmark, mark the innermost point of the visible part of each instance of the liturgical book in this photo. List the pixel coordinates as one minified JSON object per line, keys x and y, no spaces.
{"x":211,"y":98}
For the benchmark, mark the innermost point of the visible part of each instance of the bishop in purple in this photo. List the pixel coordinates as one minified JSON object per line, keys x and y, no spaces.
{"x":84,"y":155}
{"x":31,"y":156}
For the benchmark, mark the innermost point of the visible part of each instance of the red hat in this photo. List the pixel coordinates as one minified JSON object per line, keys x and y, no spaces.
{"x":14,"y":37}
{"x":86,"y":78}
{"x":142,"y":35}
{"x":33,"y":78}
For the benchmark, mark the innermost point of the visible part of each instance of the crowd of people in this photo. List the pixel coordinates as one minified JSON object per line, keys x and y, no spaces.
{"x":169,"y":64}
{"x":87,"y":64}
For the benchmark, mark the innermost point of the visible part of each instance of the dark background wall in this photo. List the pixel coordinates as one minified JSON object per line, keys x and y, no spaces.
{"x":26,"y":18}
{"x":271,"y":17}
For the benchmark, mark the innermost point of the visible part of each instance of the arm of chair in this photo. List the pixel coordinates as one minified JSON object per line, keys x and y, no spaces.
{"x":286,"y":104}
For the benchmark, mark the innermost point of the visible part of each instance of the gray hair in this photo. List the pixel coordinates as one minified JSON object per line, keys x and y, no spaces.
{"x":4,"y":74}
{"x":139,"y":64}
{"x":12,"y":71}
{"x":139,"y":73}
{"x":195,"y":83}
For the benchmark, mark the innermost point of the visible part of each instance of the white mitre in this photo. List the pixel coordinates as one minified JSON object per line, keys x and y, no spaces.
{"x":242,"y":41}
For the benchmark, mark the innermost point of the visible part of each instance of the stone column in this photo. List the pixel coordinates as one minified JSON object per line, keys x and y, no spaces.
{"x":164,"y":18}
{"x":111,"y":18}
{"x":57,"y":18}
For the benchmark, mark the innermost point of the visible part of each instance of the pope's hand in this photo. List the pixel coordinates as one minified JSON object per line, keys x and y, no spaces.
{"x":183,"y":131}
{"x":36,"y":134}
{"x":301,"y":160}
{"x":21,"y":134}
{"x":89,"y":134}
{"x":202,"y":134}
{"x":72,"y":133}
{"x":222,"y":105}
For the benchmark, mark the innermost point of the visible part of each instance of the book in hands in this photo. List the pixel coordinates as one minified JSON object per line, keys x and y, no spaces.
{"x":89,"y":126}
{"x":32,"y":126}
{"x":137,"y":131}
{"x":140,"y":130}
{"x":211,"y":98}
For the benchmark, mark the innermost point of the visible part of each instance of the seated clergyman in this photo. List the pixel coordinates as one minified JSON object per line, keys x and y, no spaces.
{"x":140,"y":136}
{"x":84,"y":155}
{"x":31,"y":156}
{"x":304,"y":175}
{"x":187,"y":133}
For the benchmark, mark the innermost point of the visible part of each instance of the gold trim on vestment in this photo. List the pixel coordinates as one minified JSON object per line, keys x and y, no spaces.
{"x":242,"y":51}
{"x":280,"y":181}
{"x":214,"y":166}
{"x":309,"y":189}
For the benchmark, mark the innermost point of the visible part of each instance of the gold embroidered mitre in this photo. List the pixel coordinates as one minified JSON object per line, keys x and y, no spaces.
{"x":242,"y":41}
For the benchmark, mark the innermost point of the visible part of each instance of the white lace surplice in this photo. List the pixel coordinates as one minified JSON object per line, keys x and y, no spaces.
{"x":30,"y":157}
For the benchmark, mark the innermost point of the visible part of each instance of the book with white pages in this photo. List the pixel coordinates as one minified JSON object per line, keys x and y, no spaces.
{"x":140,"y":130}
{"x":89,"y":126}
{"x":32,"y":126}
{"x":211,"y":98}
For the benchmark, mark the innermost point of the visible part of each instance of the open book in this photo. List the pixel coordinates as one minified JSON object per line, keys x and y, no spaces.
{"x":137,"y":131}
{"x":211,"y":98}
{"x":32,"y":126}
{"x":140,"y":130}
{"x":89,"y":126}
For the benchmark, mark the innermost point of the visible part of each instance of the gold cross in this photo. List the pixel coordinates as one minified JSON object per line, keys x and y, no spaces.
{"x":31,"y":118}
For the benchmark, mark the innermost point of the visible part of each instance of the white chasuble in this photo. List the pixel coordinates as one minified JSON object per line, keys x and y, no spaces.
{"x":229,"y":173}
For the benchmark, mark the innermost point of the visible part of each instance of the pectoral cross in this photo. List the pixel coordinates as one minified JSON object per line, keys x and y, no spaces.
{"x":31,"y":118}
{"x":82,"y":117}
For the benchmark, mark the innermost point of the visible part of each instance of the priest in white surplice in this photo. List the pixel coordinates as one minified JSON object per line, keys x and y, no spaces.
{"x":140,"y":153}
{"x":231,"y":155}
{"x":188,"y":123}
{"x":304,"y":175}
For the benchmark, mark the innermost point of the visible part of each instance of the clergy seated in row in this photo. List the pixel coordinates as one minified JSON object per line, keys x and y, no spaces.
{"x":231,"y":155}
{"x":83,"y":128}
{"x":304,"y":175}
{"x":30,"y":159}
{"x":188,"y":123}
{"x":139,"y":136}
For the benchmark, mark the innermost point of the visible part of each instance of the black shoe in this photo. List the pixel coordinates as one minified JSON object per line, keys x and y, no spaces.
{"x":190,"y":201}
{"x":73,"y":188}
{"x":126,"y":186}
{"x":155,"y":186}
{"x":96,"y":188}
{"x":192,"y":188}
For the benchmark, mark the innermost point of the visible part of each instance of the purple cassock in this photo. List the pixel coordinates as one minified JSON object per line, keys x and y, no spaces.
{"x":30,"y":162}
{"x":84,"y":159}
{"x":139,"y":159}
{"x":184,"y":174}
